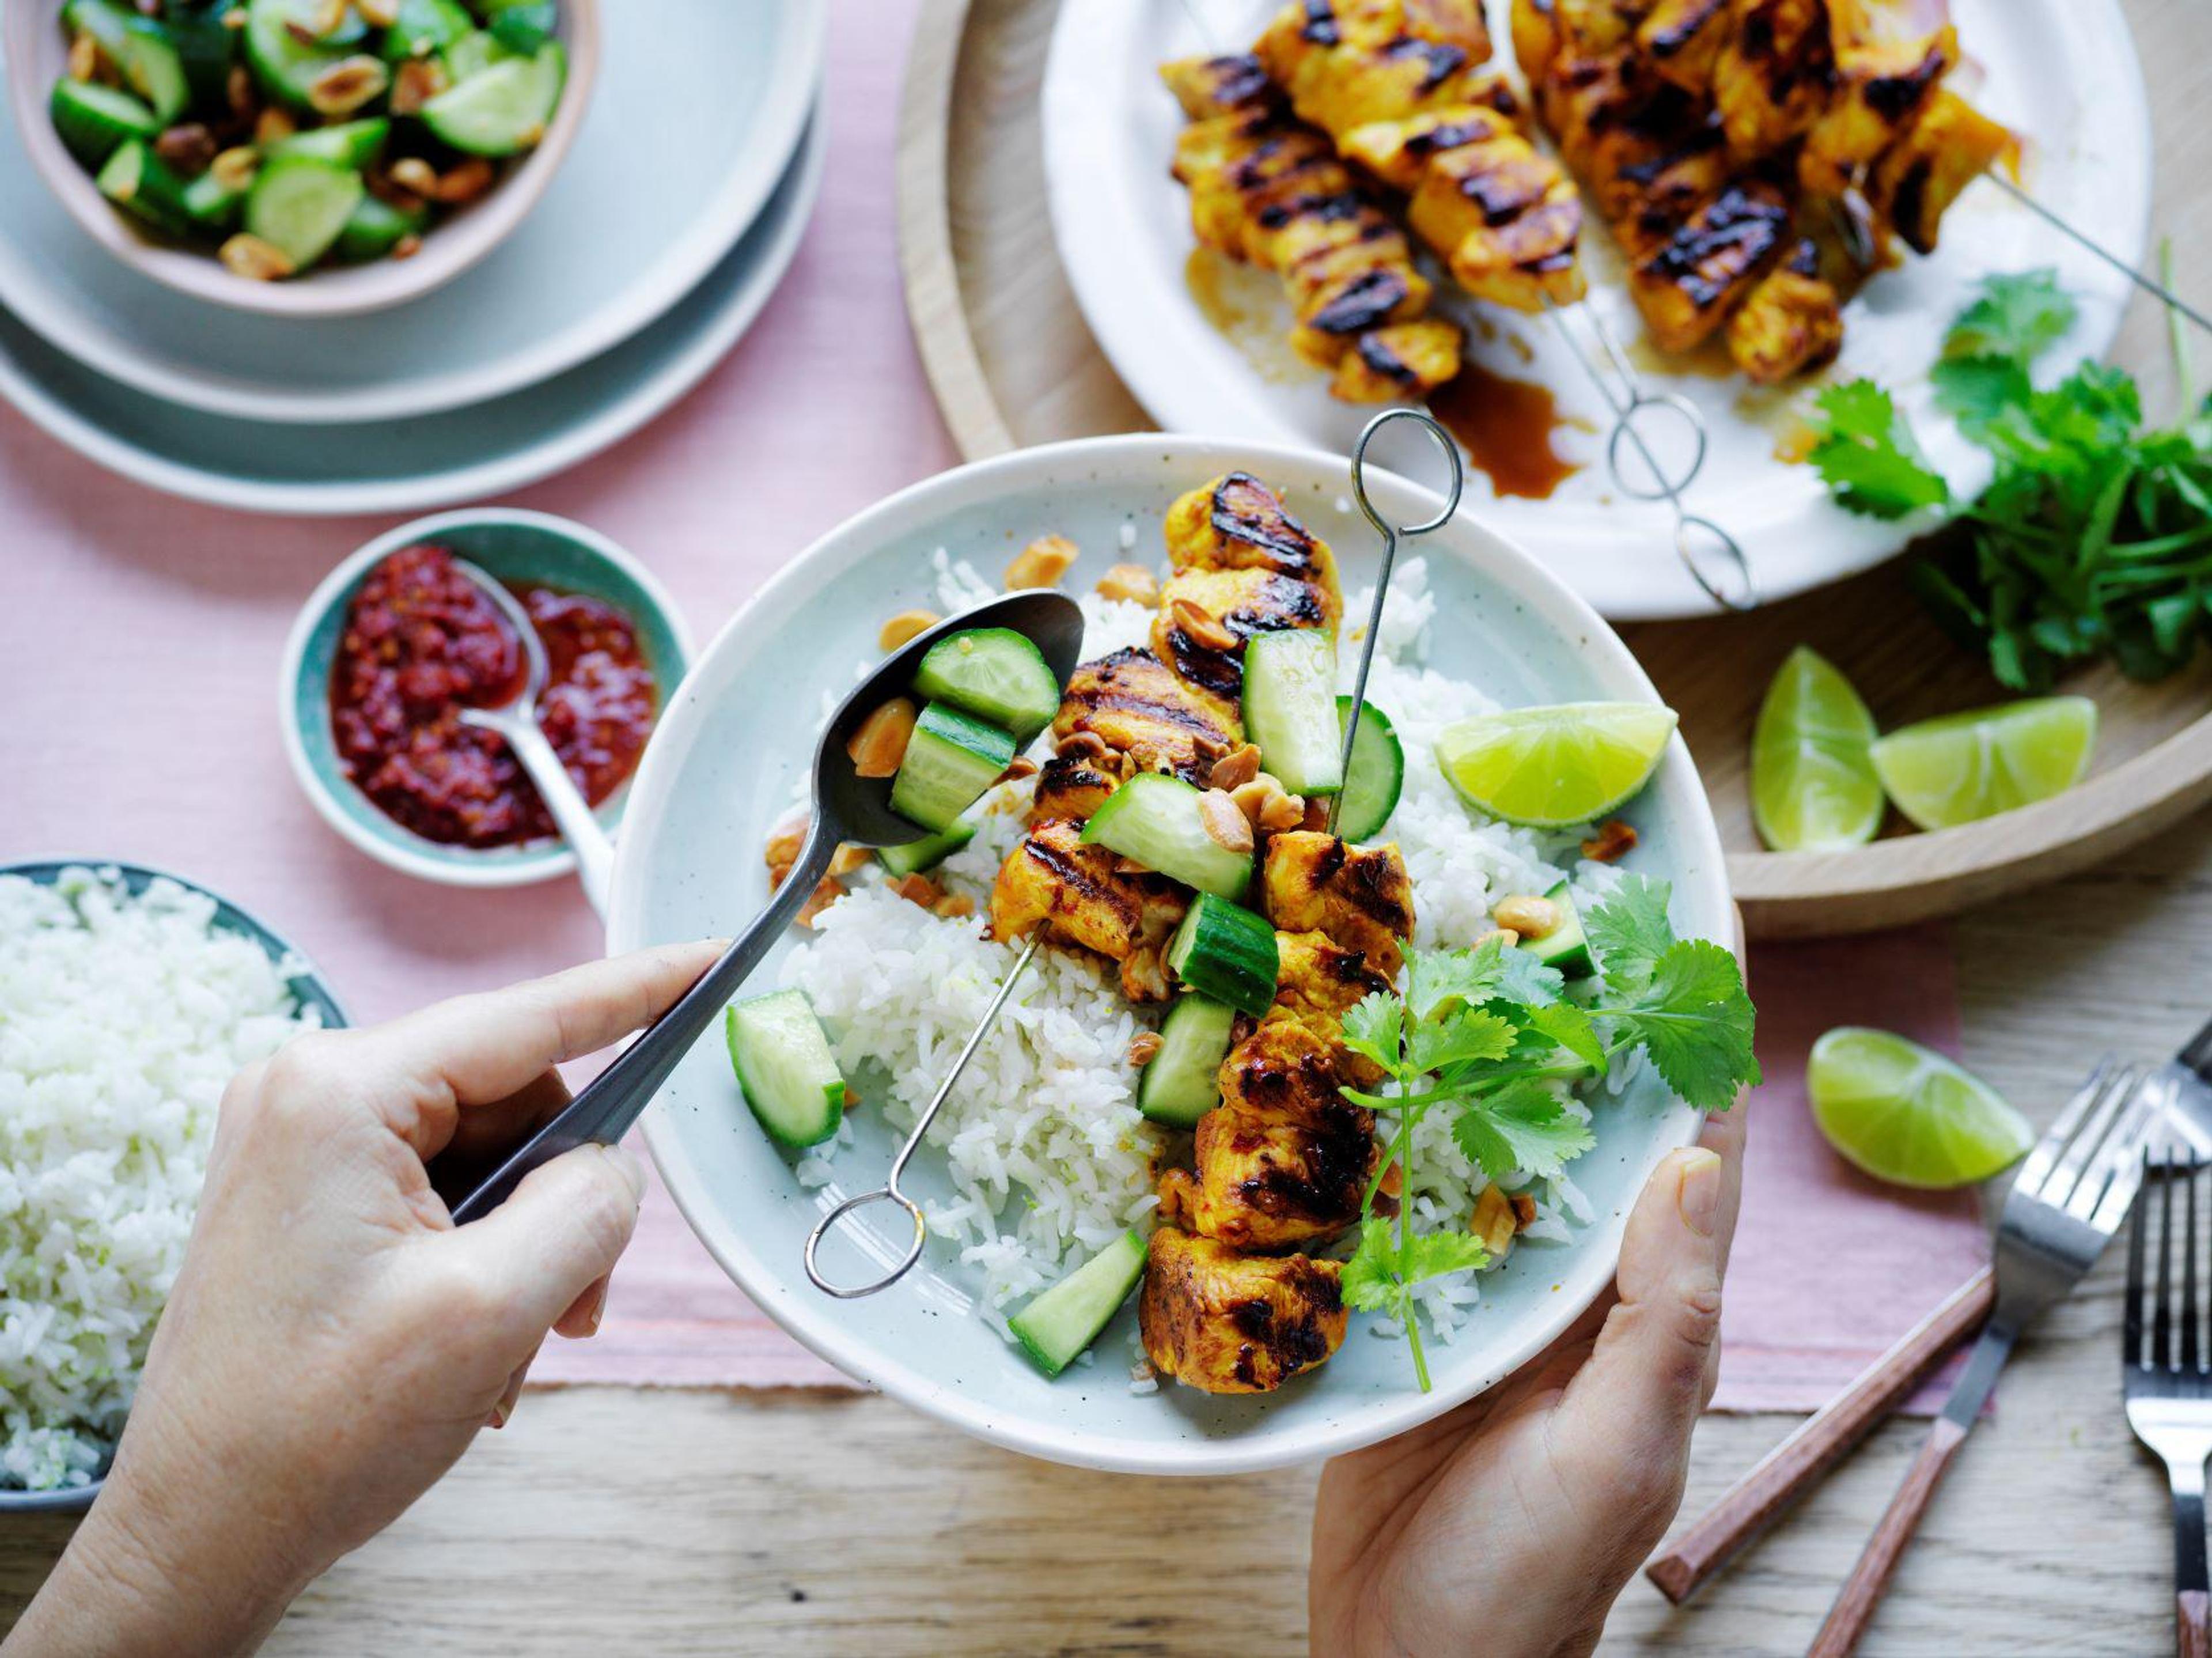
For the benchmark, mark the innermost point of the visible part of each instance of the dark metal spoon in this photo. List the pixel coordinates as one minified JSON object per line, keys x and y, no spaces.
{"x":847,"y":808}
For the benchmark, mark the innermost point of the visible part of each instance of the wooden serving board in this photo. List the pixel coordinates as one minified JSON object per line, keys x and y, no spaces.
{"x":1012,"y":364}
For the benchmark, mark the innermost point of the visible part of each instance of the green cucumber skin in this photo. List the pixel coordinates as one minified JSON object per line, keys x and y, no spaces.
{"x":757,"y":1021}
{"x":271,"y":206}
{"x":156,"y":195}
{"x":1227,"y":953}
{"x":105,"y":23}
{"x":155,"y":69}
{"x":969,"y":669}
{"x":283,"y":66}
{"x":523,"y":26}
{"x":425,"y":26}
{"x":1565,"y":947}
{"x":374,"y":227}
{"x":213,"y":204}
{"x":949,"y":752}
{"x":349,"y":143}
{"x":93,"y":127}
{"x":1063,"y":1321}
{"x":455,"y":115}
{"x":1376,"y":777}
{"x":1178,"y":1086}
{"x":1289,"y":692}
{"x":1156,"y":820}
{"x":928,"y":853}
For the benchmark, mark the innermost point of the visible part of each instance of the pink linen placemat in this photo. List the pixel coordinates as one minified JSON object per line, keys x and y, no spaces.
{"x":139,"y":642}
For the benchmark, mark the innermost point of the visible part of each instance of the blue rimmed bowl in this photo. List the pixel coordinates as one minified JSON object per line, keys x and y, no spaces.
{"x":517,"y":548}
{"x":307,"y":985}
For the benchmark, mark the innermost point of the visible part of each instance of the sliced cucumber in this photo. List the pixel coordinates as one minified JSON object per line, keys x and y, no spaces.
{"x":1067,"y":1318}
{"x":1564,"y":947}
{"x":299,"y":204}
{"x":144,"y":185}
{"x":105,"y":23}
{"x":349,"y":143}
{"x":149,"y":63}
{"x":504,"y":110}
{"x":950,"y":759}
{"x":995,"y":674}
{"x":1376,"y":776}
{"x":522,"y":25}
{"x":283,"y":63}
{"x":425,"y":26}
{"x":213,"y":205}
{"x":1157,"y":820}
{"x":94,"y":121}
{"x":785,"y":1068}
{"x":374,"y":227}
{"x":1222,"y":951}
{"x":471,"y":55}
{"x":927,"y":852}
{"x":204,"y":45}
{"x":1179,"y":1084}
{"x":1289,"y":708}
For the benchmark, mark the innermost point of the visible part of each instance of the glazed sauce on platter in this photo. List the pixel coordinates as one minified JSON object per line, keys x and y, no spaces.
{"x":420,"y":643}
{"x":1506,"y":426}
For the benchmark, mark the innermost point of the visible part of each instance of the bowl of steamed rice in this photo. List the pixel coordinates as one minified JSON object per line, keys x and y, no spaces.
{"x":128,"y":999}
{"x":1041,"y":1157}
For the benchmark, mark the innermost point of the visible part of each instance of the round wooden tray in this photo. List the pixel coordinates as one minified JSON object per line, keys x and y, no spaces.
{"x":1012,"y":364}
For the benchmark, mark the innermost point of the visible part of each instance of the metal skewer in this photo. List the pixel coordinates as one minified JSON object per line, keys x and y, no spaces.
{"x":2149,"y":285}
{"x":890,"y":1191}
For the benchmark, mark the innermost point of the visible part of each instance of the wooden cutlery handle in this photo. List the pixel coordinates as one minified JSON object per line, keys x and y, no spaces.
{"x":1755,"y":1501}
{"x":2193,"y":1629}
{"x":1861,"y":1591}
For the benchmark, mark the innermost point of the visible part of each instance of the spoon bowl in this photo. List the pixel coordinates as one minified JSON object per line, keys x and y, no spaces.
{"x":846,"y":808}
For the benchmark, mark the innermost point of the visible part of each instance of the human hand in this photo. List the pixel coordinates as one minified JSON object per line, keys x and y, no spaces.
{"x":333,"y":1343}
{"x":1510,"y":1525}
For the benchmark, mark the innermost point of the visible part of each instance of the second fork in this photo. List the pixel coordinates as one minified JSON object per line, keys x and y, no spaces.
{"x":2169,"y":1388}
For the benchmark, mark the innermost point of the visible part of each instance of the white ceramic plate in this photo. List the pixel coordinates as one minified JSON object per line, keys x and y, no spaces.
{"x":413,"y":466}
{"x":720,"y":770}
{"x":647,"y":202}
{"x":2063,"y":72}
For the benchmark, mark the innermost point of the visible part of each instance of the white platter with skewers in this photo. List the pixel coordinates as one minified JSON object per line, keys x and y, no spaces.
{"x":1201,"y":344}
{"x":720,"y":773}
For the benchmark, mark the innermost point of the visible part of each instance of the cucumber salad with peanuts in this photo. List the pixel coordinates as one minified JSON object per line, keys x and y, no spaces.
{"x":287,"y":135}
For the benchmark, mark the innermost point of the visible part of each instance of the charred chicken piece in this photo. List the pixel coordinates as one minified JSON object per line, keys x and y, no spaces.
{"x":1206,"y":615}
{"x":1147,"y":718}
{"x":1950,"y":146}
{"x":1208,"y":87}
{"x":1772,"y":74}
{"x":1238,"y":523}
{"x":1359,"y":896}
{"x":1403,"y":363}
{"x":1682,"y":38}
{"x":1687,"y":286}
{"x":1317,"y":983}
{"x":1073,"y":786}
{"x":1229,"y":1323}
{"x":1792,"y":322}
{"x":1087,"y":896}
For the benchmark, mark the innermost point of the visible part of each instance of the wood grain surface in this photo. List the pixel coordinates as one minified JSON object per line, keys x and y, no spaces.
{"x":1013,"y":363}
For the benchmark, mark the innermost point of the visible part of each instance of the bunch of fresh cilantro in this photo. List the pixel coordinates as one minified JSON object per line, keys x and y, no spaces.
{"x":1486,"y":1034}
{"x":2094,"y":536}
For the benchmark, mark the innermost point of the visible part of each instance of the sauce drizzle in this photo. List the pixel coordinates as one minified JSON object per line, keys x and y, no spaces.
{"x":1506,"y":426}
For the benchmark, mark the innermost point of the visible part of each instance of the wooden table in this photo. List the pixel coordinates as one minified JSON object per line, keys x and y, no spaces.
{"x":632,"y":1522}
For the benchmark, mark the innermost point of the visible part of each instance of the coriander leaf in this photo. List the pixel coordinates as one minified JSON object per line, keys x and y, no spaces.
{"x":1865,"y":451}
{"x":1375,"y":1028}
{"x":1630,"y":931}
{"x":1522,"y":1125}
{"x":2016,"y":317}
{"x":1523,"y":978}
{"x":1467,"y":1034}
{"x":1976,"y":390}
{"x":1695,"y":1020}
{"x":1438,"y":981}
{"x":1567,"y":1026}
{"x":1370,"y":1276}
{"x":1437,"y":1255}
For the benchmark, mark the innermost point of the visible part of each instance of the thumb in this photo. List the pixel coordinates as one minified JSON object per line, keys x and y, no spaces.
{"x":1625,"y":1420}
{"x":562,"y":1232}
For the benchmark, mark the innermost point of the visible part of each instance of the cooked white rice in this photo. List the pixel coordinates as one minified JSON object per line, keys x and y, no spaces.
{"x":1045,"y":1149}
{"x":120,"y":1021}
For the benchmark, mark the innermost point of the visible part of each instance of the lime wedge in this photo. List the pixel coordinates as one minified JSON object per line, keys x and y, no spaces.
{"x":1813,"y":782}
{"x":1550,"y":768}
{"x":1966,"y":767}
{"x":1909,"y":1115}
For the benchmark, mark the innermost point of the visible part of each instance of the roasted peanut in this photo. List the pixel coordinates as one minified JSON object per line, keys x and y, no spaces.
{"x":465,"y":182}
{"x":1531,"y":918}
{"x":415,"y":83}
{"x":1077,"y":746}
{"x":1316,"y":815}
{"x":1236,"y":769}
{"x":1614,"y":841}
{"x":406,"y":247}
{"x":1524,"y":1211}
{"x":1041,"y":563}
{"x":257,"y":260}
{"x":234,"y":168}
{"x":849,"y":859}
{"x":378,"y":14}
{"x":348,"y":84}
{"x":1132,"y":582}
{"x":188,"y":147}
{"x":1280,"y":812}
{"x":906,"y":625}
{"x":414,"y":175}
{"x":825,"y":895}
{"x":1144,"y":1047}
{"x":918,"y":889}
{"x":271,"y":124}
{"x":1492,"y":1222}
{"x":1023,"y":767}
{"x":83,"y":58}
{"x":954,"y":906}
{"x":1201,"y":628}
{"x":785,"y":843}
{"x":1226,"y":826}
{"x":880,"y":744}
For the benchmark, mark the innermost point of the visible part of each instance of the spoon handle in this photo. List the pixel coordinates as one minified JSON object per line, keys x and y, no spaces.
{"x":614,"y":1099}
{"x":572,"y":813}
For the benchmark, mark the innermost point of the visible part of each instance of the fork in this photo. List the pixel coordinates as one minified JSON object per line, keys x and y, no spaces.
{"x":2169,"y":1392}
{"x":2068,"y":1200}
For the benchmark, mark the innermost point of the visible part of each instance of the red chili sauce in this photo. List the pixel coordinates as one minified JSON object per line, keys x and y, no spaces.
{"x":420,"y":643}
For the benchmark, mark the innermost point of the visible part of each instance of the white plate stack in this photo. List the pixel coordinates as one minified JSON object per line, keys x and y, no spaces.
{"x":663,"y":235}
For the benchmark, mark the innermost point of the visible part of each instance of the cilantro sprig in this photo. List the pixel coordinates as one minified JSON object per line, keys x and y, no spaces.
{"x":2094,"y":537}
{"x":1487,"y":1035}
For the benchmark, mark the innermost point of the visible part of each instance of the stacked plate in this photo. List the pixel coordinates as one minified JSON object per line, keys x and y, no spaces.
{"x":658,"y":243}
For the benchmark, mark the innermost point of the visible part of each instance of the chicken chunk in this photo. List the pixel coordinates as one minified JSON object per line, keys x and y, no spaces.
{"x":1086,"y":896}
{"x":1686,"y":287}
{"x":1236,"y":522}
{"x":1883,"y":83}
{"x":1147,"y":718}
{"x":1507,"y":221}
{"x":1226,"y":1323}
{"x":1792,"y":322}
{"x":1359,"y":896}
{"x":1316,"y":981}
{"x":1073,"y":786}
{"x":1338,"y":82}
{"x":1211,"y":85}
{"x":1206,"y":615}
{"x":1950,"y":146}
{"x":1403,"y":363}
{"x":1772,"y":75}
{"x":1682,"y":40}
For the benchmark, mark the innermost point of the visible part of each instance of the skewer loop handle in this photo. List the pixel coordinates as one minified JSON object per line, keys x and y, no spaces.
{"x":851,"y":1205}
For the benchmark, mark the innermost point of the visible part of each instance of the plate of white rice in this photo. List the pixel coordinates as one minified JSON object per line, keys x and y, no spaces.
{"x":1040,"y":1156}
{"x":128,"y":999}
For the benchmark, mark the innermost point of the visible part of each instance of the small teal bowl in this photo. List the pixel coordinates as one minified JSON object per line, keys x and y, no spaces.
{"x":307,"y":985}
{"x":516,"y":547}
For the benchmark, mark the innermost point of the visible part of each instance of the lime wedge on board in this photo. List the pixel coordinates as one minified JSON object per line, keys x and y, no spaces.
{"x":1812,"y":781}
{"x":1907,"y":1115}
{"x":1553,"y":767}
{"x":1966,"y":767}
